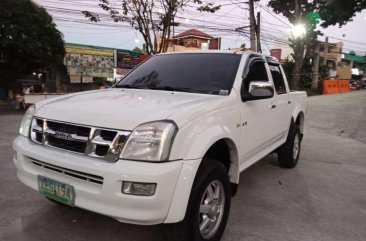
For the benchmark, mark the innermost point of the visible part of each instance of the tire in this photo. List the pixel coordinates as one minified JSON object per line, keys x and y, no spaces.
{"x":211,"y":176}
{"x":289,"y":152}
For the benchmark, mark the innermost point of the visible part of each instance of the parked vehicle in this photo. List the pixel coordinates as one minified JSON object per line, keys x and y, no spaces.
{"x":355,"y":84}
{"x":167,"y":143}
{"x":33,"y":98}
{"x":19,"y":102}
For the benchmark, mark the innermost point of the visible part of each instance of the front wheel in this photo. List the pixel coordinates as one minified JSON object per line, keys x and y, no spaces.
{"x":208,"y":208}
{"x":289,"y":152}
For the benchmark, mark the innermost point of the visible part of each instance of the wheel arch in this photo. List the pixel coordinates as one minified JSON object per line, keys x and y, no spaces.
{"x":300,"y":121}
{"x":225,"y":151}
{"x":184,"y":186}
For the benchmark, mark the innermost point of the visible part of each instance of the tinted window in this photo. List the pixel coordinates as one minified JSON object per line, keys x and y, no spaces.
{"x":278,"y":80}
{"x":196,"y":72}
{"x":256,"y":72}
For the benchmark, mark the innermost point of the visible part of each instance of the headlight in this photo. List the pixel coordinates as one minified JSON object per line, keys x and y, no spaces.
{"x":150,"y":142}
{"x":26,"y":122}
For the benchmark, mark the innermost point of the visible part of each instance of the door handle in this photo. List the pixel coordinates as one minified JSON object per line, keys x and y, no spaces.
{"x":273,"y":106}
{"x":289,"y":102}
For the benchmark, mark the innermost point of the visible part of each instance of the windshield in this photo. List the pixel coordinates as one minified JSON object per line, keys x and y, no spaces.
{"x":189,"y":72}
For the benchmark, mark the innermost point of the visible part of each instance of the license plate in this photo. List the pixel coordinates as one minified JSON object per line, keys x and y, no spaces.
{"x":58,"y":191}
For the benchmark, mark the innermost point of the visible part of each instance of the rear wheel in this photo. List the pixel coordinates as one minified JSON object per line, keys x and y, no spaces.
{"x":289,"y":152}
{"x":208,"y":207}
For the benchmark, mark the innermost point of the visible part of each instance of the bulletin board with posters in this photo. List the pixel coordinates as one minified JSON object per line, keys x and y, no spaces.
{"x":89,"y":61}
{"x":126,"y":60}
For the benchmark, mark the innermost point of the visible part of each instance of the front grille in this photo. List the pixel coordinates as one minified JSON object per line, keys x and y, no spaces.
{"x":67,"y":172}
{"x":90,"y":141}
{"x":75,"y":146}
{"x":67,"y":128}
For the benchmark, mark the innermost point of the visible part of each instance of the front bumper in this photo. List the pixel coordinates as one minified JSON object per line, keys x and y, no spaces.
{"x":106,"y":198}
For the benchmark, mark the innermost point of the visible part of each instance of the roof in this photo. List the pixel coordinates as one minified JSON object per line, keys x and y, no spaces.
{"x":193,"y":33}
{"x":94,"y":47}
{"x":246,"y":52}
{"x":355,"y":58}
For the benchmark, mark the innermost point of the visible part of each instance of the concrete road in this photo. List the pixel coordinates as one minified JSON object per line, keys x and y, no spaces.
{"x":323,"y":199}
{"x":8,"y":108}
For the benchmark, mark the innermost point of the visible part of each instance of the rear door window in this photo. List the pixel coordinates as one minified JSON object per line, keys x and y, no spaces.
{"x":278,"y":80}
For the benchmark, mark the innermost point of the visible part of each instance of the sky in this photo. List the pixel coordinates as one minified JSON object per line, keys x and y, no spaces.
{"x":233,"y":14}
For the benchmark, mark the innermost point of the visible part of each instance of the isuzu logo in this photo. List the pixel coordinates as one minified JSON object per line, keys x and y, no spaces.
{"x":63,"y":135}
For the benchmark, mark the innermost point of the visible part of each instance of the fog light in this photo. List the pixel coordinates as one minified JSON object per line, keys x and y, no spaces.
{"x":138,"y":188}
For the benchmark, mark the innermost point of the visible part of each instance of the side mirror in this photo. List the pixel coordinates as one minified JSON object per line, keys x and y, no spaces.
{"x":259,"y":90}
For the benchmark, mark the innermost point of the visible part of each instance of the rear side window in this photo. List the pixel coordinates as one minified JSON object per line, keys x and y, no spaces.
{"x":278,"y":80}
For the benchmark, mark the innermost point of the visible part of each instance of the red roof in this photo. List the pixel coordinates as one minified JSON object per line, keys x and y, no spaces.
{"x":193,"y":33}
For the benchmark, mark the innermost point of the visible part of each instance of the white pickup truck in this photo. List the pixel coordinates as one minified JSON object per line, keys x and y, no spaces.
{"x":167,"y":143}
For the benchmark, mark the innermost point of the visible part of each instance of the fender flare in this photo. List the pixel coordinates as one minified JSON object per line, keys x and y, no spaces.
{"x":199,"y":147}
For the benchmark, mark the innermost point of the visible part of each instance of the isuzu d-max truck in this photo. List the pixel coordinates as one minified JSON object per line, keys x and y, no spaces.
{"x":166,"y":144}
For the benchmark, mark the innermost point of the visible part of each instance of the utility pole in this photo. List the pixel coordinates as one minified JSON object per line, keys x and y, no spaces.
{"x":174,"y":24}
{"x":325,"y":51}
{"x":252,"y":26}
{"x":259,"y":47}
{"x":315,"y":81}
{"x":173,"y":38}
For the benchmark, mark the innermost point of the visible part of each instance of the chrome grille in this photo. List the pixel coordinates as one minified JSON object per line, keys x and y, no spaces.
{"x":90,"y":141}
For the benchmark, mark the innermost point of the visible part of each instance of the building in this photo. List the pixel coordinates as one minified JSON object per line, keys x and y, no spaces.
{"x":357,"y":62}
{"x":282,"y":50}
{"x":342,"y":65}
{"x":332,"y":54}
{"x":90,"y":67}
{"x":192,"y":40}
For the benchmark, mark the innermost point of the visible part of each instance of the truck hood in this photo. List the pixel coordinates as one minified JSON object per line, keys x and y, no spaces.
{"x":127,"y":108}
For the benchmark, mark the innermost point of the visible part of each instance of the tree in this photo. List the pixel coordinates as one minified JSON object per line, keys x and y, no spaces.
{"x":29,"y":40}
{"x":137,"y":50}
{"x":309,"y":13}
{"x":334,"y":12}
{"x":295,"y":11}
{"x":152,"y":18}
{"x":288,"y":67}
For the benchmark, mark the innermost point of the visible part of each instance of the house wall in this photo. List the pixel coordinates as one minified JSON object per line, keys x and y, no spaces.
{"x":189,"y":44}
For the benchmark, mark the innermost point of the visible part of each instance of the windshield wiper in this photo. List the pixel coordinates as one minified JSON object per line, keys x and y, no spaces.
{"x":171,"y":88}
{"x":132,"y":86}
{"x":168,"y":88}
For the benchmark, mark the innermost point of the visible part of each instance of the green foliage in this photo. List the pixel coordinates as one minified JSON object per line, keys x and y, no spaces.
{"x":288,"y":9}
{"x":323,"y":70}
{"x":331,"y":12}
{"x":307,"y":71}
{"x":29,"y":40}
{"x":311,"y":13}
{"x":334,"y":12}
{"x":137,"y":50}
{"x":312,"y":17}
{"x":288,"y":67}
